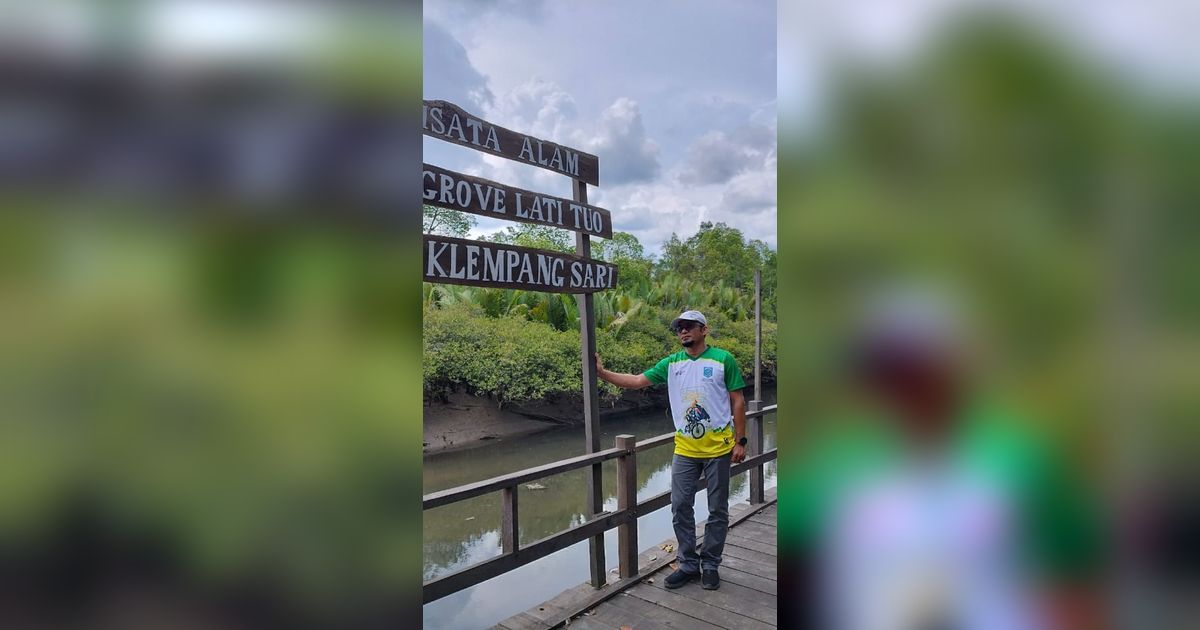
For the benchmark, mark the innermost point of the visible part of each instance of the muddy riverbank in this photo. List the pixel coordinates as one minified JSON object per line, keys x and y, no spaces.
{"x":467,"y":421}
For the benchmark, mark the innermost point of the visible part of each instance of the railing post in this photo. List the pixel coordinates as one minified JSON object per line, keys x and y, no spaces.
{"x":627,"y":538}
{"x":509,"y":529}
{"x":755,"y":432}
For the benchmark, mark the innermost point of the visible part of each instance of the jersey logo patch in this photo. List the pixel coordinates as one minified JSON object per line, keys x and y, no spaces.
{"x":708,"y":372}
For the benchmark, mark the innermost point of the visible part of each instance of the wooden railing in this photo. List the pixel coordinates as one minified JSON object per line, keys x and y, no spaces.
{"x":514,"y":555}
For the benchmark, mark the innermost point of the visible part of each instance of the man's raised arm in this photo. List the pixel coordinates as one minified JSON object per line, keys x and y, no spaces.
{"x":628,"y":381}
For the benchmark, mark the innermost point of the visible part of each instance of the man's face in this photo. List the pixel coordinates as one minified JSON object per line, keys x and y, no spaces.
{"x":690,"y":333}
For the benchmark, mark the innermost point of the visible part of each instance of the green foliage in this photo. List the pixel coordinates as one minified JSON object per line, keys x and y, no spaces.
{"x":624,"y":250}
{"x":622,"y":246}
{"x":446,"y":222}
{"x":716,"y":252}
{"x":512,"y":358}
{"x":536,"y":236}
{"x":720,"y":254}
{"x":508,"y":358}
{"x":738,"y":338}
{"x":632,"y":320}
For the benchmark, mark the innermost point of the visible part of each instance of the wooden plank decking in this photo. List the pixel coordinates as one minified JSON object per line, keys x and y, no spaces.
{"x":746,"y":598}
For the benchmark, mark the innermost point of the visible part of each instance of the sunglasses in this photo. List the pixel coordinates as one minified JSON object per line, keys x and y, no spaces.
{"x":686,"y":326}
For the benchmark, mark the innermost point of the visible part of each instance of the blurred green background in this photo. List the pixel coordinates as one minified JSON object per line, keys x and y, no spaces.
{"x":1054,"y":192}
{"x":210,"y":375}
{"x":1056,"y":196}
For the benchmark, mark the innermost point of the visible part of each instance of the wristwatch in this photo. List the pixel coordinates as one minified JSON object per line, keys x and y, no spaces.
{"x":743,"y":441}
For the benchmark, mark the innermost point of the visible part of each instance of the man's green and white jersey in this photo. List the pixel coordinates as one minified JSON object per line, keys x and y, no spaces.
{"x":699,"y":392}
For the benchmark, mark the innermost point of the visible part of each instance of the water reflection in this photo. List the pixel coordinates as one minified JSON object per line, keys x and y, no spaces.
{"x":467,"y":532}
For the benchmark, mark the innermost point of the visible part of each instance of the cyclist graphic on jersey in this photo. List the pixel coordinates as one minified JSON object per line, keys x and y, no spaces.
{"x":696,"y":418}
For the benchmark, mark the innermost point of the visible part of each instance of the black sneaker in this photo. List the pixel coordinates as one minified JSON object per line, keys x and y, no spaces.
{"x":679,"y":578}
{"x":710,"y":580}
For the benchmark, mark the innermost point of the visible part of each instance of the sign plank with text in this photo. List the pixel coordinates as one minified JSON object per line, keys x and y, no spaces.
{"x":449,"y":122}
{"x":455,"y":191}
{"x":479,"y":263}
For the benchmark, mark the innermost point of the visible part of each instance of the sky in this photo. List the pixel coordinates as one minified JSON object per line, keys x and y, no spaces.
{"x":676,"y":98}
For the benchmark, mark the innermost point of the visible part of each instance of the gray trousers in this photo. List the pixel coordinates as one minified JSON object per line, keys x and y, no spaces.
{"x":685,"y":473}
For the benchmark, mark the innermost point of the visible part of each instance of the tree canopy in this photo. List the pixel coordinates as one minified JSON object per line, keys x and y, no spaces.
{"x":536,"y":236}
{"x":446,"y":222}
{"x":718,"y":253}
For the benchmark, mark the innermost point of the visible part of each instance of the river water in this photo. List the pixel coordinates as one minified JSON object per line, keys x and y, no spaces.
{"x":467,"y":532}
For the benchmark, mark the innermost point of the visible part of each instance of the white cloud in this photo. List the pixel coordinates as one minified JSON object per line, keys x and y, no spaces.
{"x":718,"y":156}
{"x":652,"y":211}
{"x":471,"y":10}
{"x":751,"y":191}
{"x":448,"y":73}
{"x":626,"y":154}
{"x":537,"y":107}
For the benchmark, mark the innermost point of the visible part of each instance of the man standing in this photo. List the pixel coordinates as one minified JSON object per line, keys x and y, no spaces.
{"x":705,"y":388}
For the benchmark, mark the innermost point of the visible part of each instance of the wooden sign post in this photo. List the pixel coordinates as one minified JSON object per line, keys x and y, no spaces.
{"x":478,"y":263}
{"x":591,"y":400}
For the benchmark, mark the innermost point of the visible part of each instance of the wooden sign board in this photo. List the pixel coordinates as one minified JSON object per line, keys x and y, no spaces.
{"x":448,"y":189}
{"x":477,"y":263}
{"x":447,"y":121}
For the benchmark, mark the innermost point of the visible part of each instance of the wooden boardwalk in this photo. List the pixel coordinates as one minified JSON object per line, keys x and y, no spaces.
{"x":746,"y":598}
